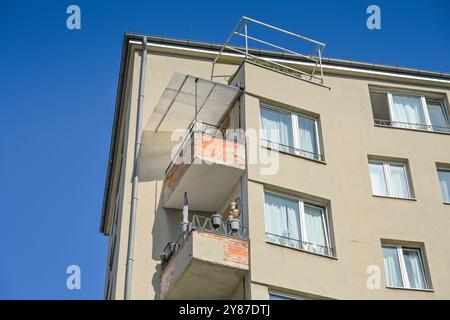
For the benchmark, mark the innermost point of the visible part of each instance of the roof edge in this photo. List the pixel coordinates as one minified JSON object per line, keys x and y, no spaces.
{"x":268,"y":53}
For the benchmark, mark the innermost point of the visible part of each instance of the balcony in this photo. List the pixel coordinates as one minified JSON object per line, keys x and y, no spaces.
{"x":205,"y":262}
{"x":208,"y":164}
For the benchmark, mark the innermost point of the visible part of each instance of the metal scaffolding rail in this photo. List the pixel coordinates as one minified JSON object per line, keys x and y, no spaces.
{"x":242,"y":30}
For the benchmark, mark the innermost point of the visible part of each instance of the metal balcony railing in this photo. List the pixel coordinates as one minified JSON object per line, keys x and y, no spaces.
{"x":407,"y":125}
{"x":299,"y":245}
{"x":204,"y":224}
{"x":207,"y":131}
{"x":292,"y":150}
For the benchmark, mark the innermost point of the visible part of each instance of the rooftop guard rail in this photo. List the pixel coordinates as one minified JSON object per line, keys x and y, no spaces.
{"x":204,"y":224}
{"x":209,"y":130}
{"x":242,"y":30}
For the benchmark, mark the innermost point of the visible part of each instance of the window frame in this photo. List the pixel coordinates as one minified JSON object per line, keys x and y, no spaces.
{"x":404,"y":271}
{"x":303,"y":230}
{"x":388,"y":179}
{"x":424,"y":108}
{"x":444,"y":108}
{"x":285,"y":295}
{"x":439,"y":180}
{"x":296,"y":132}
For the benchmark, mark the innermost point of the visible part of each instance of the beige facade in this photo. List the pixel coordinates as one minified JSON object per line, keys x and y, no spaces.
{"x":358,"y":222}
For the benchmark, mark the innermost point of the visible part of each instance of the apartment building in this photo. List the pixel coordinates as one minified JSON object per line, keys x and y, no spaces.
{"x":238,"y":173}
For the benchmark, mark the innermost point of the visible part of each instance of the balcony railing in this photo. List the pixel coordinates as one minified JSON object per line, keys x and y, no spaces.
{"x":292,"y":150}
{"x":203,"y":224}
{"x":414,"y":126}
{"x":214,"y":144}
{"x":300,"y":245}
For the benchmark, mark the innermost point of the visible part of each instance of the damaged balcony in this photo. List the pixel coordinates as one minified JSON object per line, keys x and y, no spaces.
{"x":210,"y":160}
{"x":208,"y":165}
{"x":208,"y":261}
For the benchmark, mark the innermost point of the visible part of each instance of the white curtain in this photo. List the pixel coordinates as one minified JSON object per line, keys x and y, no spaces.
{"x":407,"y":110}
{"x":285,"y":129}
{"x":308,"y":139}
{"x":276,"y":129}
{"x":444,"y":179}
{"x":269,"y":126}
{"x":399,"y":181}
{"x":282,"y":216}
{"x":414,"y":268}
{"x":392,"y":267}
{"x":437,"y":116}
{"x":377,"y":179}
{"x":315,"y":228}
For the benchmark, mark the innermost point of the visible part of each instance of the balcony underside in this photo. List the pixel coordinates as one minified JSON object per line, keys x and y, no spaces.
{"x":207,"y":186}
{"x":207,"y":266}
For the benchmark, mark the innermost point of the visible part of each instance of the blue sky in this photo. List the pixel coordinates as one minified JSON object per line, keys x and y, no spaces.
{"x":57,"y":94}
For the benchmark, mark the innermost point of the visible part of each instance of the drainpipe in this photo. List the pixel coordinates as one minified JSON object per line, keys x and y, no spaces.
{"x":135,"y":181}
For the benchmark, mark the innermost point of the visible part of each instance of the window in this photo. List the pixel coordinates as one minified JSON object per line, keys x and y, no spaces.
{"x":295,"y":223}
{"x":389,"y":179}
{"x":411,"y":111}
{"x":404,"y":267}
{"x":290,"y":132}
{"x":444,"y":181}
{"x":282,"y":296}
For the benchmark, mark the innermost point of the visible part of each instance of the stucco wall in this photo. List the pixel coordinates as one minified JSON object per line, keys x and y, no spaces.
{"x":359,"y":220}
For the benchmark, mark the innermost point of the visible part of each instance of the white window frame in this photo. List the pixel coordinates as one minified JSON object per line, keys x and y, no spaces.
{"x":442,"y":193}
{"x":295,"y":130}
{"x":424,"y":106}
{"x":303,"y":230}
{"x":388,"y":178}
{"x":402,"y":264}
{"x":287,"y":296}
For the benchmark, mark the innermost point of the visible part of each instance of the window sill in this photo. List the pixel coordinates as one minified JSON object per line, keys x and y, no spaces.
{"x":301,"y":250}
{"x":396,"y":198}
{"x":411,"y":129}
{"x":410,"y":289}
{"x":446,"y":203}
{"x":294,"y":155}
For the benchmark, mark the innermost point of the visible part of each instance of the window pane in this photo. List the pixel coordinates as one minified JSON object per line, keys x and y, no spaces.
{"x":315,"y":228}
{"x":407,"y":111}
{"x":437,"y":116}
{"x":273,"y":296}
{"x":378,"y":179}
{"x":444,"y":180}
{"x":308,"y":138}
{"x":414,"y":268}
{"x":380,"y":107}
{"x":282,"y":216}
{"x":269,"y":125}
{"x":399,"y":181}
{"x":392,"y":267}
{"x":276,"y":129}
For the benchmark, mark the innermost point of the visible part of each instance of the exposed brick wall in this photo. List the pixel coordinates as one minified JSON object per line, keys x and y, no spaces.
{"x":234,"y":250}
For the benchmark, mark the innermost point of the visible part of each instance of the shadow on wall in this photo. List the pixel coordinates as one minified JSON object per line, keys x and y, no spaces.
{"x":155,"y":158}
{"x":166,"y":228}
{"x":155,"y":155}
